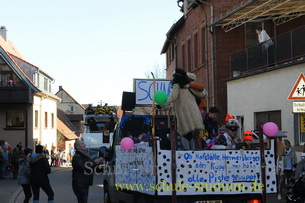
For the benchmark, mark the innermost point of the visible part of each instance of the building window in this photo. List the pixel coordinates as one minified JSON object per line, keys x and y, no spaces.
{"x":50,"y":86}
{"x":251,"y":36}
{"x":168,"y":57}
{"x":15,"y":118}
{"x":46,"y":119}
{"x":52,"y":120}
{"x":189,"y":55}
{"x":195,"y":51}
{"x":71,"y":108}
{"x":36,"y":119}
{"x":268,"y":116}
{"x":183,"y":56}
{"x":45,"y":84}
{"x":8,"y":78}
{"x":173,"y":52}
{"x":203,"y":36}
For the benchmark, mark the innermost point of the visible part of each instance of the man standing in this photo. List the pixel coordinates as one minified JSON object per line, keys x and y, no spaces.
{"x":40,"y":169}
{"x":82,"y":173}
{"x":268,"y":48}
{"x":16,"y":154}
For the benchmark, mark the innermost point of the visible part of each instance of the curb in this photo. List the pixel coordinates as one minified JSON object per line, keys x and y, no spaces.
{"x":15,"y":196}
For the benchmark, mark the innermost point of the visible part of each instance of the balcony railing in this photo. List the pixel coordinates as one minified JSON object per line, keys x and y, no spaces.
{"x":287,"y":47}
{"x":15,"y":95}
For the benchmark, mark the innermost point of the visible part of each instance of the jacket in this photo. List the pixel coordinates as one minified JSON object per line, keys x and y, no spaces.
{"x":24,"y":171}
{"x":281,"y":162}
{"x":40,"y":169}
{"x":186,"y":110}
{"x":82,"y":173}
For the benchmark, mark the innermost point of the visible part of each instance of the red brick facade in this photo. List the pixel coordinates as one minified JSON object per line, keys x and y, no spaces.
{"x":193,"y":56}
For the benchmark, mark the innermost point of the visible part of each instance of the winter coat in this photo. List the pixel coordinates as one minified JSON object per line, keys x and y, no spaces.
{"x":292,"y":156}
{"x":82,"y":173}
{"x":211,"y":126}
{"x":281,"y":161}
{"x":24,"y":172}
{"x":40,"y":169}
{"x":186,"y":110}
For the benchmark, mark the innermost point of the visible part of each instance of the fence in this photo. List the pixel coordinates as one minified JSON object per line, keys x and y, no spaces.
{"x":286,"y":47}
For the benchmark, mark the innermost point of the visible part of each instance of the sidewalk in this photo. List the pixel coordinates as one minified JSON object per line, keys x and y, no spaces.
{"x":10,"y":190}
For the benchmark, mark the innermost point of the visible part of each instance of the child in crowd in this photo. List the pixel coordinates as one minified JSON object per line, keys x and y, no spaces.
{"x":247,"y":141}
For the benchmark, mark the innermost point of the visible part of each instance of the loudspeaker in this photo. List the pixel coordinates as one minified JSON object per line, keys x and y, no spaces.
{"x":128,"y":101}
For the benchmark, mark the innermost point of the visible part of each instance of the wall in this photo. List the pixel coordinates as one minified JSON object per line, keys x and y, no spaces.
{"x":264,"y":92}
{"x":67,"y":102}
{"x":46,"y":136}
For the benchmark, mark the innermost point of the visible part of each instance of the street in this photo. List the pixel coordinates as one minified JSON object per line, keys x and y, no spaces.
{"x":61,"y":181}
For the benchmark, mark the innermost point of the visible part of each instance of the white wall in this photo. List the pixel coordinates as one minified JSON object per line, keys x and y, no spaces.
{"x":46,"y":136}
{"x":264,"y":92}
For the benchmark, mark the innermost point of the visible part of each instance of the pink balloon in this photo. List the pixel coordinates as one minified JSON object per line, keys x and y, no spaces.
{"x":270,"y":129}
{"x":127,"y":143}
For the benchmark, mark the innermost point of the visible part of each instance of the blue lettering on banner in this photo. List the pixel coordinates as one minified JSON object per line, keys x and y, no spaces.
{"x":195,"y":178}
{"x":216,"y":177}
{"x":144,"y":89}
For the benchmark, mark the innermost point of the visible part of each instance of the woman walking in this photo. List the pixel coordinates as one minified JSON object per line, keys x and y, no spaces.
{"x":24,"y":173}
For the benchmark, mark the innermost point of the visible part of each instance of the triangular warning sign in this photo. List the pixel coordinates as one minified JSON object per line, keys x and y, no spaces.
{"x":298,"y":90}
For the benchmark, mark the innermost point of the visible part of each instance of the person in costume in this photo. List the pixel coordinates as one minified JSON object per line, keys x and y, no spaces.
{"x":188,"y":117}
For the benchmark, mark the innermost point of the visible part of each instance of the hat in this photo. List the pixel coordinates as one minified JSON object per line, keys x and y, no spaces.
{"x":192,"y":76}
{"x":228,"y":117}
{"x":232,"y":123}
{"x":248,"y":135}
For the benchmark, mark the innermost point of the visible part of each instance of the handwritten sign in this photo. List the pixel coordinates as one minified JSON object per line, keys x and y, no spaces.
{"x":216,"y":172}
{"x":144,"y":89}
{"x":135,"y":167}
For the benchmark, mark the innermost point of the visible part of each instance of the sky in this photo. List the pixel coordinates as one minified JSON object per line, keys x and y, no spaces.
{"x":95,"y":48}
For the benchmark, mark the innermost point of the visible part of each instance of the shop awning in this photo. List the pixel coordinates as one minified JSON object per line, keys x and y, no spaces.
{"x":280,"y":11}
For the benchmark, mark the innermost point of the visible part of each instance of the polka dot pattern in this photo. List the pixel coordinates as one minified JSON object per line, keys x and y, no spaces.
{"x":217,"y":172}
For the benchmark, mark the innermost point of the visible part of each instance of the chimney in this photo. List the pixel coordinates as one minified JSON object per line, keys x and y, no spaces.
{"x":3,"y":31}
{"x":60,"y":88}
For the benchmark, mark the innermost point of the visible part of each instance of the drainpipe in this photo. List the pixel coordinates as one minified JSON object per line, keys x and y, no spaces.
{"x":206,"y":48}
{"x":212,"y":49}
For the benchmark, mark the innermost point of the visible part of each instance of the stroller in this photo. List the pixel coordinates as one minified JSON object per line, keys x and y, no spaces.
{"x":296,"y":187}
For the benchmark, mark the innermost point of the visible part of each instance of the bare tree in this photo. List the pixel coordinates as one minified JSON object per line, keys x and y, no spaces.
{"x":158,"y":70}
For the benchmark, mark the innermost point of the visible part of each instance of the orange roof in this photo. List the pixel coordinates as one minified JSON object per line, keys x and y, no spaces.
{"x":65,"y":131}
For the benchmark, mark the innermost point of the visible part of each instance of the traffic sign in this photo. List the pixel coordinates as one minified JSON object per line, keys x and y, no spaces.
{"x":298,"y":90}
{"x":298,"y":107}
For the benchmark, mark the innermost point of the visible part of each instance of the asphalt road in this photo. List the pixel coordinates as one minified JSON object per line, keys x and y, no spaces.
{"x":61,"y":182}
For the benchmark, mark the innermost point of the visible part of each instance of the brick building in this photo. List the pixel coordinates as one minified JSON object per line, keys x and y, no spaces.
{"x":217,"y":41}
